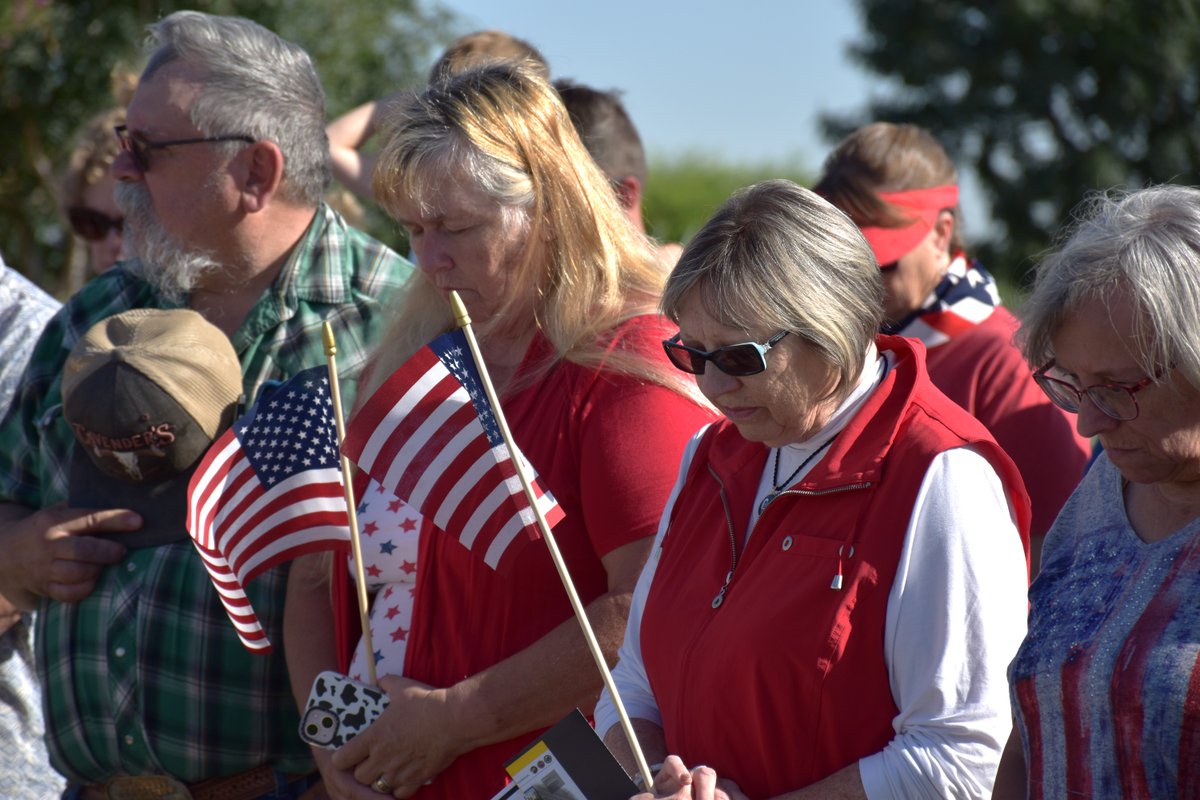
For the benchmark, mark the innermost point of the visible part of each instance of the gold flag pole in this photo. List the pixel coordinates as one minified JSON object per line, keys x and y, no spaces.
{"x":463,"y":320}
{"x":351,"y":509}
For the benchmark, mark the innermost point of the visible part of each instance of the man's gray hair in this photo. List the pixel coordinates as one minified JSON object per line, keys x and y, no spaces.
{"x":777,"y":254}
{"x":255,"y":84}
{"x":1144,"y":244}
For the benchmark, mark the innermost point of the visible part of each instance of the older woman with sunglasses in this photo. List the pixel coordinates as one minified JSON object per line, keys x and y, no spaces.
{"x":1105,"y":684}
{"x":839,"y":577}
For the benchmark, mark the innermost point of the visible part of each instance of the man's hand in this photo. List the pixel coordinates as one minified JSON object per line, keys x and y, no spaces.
{"x":10,"y":615}
{"x":49,"y":553}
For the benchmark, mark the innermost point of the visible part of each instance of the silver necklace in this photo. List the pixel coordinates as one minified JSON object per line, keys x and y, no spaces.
{"x":777,"y":488}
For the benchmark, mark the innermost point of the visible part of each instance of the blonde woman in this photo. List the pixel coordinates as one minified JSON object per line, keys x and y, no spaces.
{"x":502,"y":204}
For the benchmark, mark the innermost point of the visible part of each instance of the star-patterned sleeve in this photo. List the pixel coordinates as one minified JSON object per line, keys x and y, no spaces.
{"x":390,"y":531}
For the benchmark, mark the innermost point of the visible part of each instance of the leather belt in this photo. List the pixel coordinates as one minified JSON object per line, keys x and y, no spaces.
{"x":248,"y":785}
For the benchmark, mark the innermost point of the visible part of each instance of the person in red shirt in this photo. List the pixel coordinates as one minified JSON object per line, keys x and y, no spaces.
{"x":503,"y":205}
{"x":897,"y":183}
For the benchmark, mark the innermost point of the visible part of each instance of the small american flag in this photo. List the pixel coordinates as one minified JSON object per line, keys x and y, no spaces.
{"x":429,"y":435}
{"x":268,"y":490}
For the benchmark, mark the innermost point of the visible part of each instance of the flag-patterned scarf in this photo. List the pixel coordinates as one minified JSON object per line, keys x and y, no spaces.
{"x":965,"y":297}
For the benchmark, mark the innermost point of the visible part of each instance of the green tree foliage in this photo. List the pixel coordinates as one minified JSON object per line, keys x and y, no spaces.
{"x":682,"y":192}
{"x":1046,"y":100}
{"x":56,"y":58}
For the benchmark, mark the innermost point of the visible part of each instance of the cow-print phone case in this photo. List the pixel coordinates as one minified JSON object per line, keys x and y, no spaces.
{"x":338,"y":709}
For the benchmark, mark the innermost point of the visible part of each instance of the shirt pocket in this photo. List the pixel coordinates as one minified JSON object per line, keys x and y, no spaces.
{"x":55,"y":445}
{"x":824,"y":577}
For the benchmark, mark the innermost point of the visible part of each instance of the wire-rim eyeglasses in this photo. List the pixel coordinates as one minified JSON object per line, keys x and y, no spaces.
{"x":1115,"y":400}
{"x":140,"y":148}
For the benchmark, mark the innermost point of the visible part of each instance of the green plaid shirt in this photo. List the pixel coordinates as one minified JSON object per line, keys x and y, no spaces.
{"x":147,"y":675}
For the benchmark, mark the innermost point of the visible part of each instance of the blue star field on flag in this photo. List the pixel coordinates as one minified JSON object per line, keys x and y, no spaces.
{"x":450,"y":350}
{"x":292,"y":430}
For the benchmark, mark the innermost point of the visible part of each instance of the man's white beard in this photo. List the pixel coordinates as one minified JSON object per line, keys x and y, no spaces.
{"x":170,"y":267}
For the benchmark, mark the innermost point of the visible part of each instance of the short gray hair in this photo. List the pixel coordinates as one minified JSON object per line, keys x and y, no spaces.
{"x":1144,"y":243}
{"x":255,"y":83}
{"x":779,"y":254}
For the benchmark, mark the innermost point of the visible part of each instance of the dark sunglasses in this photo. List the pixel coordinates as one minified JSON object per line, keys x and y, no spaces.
{"x":738,"y":360}
{"x":140,"y":148}
{"x":93,"y":225}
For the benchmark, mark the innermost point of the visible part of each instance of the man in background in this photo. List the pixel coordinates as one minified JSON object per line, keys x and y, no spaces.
{"x":610,"y":136}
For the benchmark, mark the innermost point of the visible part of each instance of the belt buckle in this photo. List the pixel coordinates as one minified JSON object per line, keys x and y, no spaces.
{"x":146,"y":787}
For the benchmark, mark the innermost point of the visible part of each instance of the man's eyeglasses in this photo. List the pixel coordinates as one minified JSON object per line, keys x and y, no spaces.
{"x":1116,"y":400}
{"x":93,"y":225}
{"x":140,"y":148}
{"x":738,"y":360}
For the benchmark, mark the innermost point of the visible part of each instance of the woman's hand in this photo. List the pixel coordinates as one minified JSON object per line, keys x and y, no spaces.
{"x":414,"y":739}
{"x":339,"y":784}
{"x":676,"y":782}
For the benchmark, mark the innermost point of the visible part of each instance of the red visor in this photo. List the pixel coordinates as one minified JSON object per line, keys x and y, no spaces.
{"x":924,"y":205}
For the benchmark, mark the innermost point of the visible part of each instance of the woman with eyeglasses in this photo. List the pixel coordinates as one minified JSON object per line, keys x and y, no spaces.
{"x":1106,"y":686}
{"x":839,"y":577}
{"x":900,"y":186}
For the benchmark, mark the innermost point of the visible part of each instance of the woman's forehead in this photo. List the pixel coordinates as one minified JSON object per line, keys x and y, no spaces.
{"x":699,"y":316}
{"x":704,"y":298}
{"x":440,"y":193}
{"x":1098,"y":334}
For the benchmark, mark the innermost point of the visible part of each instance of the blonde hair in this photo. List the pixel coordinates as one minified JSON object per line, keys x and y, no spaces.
{"x":503,"y":127}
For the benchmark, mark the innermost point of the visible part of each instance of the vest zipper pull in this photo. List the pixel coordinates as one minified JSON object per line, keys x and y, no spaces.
{"x":836,"y":583}
{"x":720,"y":598}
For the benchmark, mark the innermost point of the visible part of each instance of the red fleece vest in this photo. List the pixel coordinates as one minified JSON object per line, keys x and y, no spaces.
{"x":784,"y":682}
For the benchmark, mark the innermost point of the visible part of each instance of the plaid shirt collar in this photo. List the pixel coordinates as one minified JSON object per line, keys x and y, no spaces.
{"x":314,"y":271}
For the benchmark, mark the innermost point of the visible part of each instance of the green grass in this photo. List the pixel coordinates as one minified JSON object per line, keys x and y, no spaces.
{"x":683,"y":191}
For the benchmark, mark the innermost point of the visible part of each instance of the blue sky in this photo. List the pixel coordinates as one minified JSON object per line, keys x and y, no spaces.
{"x":743,"y":80}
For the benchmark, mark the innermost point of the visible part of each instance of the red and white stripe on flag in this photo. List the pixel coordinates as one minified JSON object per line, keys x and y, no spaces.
{"x":429,"y":435}
{"x":269,"y":490}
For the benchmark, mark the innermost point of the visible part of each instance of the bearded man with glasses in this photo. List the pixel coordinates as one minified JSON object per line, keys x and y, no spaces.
{"x":1104,"y":686}
{"x":221,"y":174}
